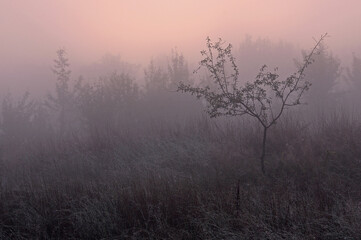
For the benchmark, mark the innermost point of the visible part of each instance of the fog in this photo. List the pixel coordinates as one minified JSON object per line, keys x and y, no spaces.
{"x":31,"y":31}
{"x":162,"y":119}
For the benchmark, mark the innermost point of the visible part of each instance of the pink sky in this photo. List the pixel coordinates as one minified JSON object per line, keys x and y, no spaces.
{"x":32,"y":30}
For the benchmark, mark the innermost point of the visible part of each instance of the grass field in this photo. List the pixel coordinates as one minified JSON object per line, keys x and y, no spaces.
{"x":199,"y":179}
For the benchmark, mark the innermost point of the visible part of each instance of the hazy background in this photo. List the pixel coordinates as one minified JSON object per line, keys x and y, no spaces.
{"x":120,"y":154}
{"x":31,"y":31}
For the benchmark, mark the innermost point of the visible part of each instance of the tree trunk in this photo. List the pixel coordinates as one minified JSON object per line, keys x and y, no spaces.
{"x":263,"y":149}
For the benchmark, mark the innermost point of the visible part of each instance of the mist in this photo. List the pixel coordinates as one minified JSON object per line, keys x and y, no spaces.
{"x":234,"y":119}
{"x":31,"y":32}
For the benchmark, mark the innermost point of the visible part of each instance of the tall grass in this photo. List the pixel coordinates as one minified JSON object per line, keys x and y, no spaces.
{"x":188,"y":180}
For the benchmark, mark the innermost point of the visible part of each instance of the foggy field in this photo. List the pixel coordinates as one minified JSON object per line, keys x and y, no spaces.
{"x":180,"y":119}
{"x":111,"y":159}
{"x":181,"y":182}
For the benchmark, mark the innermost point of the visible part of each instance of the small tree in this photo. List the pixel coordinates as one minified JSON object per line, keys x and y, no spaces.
{"x":353,"y":77}
{"x":155,"y":79}
{"x":104,"y":104}
{"x":323,"y":75}
{"x":265,"y":99}
{"x":62,"y":100}
{"x":22,"y":121}
{"x":178,"y":70}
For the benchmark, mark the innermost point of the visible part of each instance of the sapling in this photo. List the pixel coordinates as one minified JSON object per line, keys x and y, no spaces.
{"x":265,"y":99}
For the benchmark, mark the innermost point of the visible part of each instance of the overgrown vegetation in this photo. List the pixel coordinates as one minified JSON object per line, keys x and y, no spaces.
{"x":129,"y":162}
{"x":182,"y":184}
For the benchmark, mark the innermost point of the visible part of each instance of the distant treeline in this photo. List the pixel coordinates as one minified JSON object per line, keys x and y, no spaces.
{"x":122,"y":99}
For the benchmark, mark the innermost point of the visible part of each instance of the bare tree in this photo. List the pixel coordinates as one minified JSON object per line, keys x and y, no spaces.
{"x":265,"y":99}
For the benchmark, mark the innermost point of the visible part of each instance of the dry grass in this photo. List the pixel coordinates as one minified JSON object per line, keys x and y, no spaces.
{"x":181,"y":183}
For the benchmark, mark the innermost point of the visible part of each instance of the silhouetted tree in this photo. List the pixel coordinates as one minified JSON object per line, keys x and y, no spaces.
{"x":108,"y":64}
{"x":178,"y":70}
{"x":353,"y":76}
{"x":156,"y":79}
{"x":62,"y":102}
{"x":251,"y":52}
{"x":323,"y":76}
{"x":159,"y":99}
{"x":16,"y":118}
{"x":22,"y":121}
{"x":264,"y":99}
{"x":105,"y":104}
